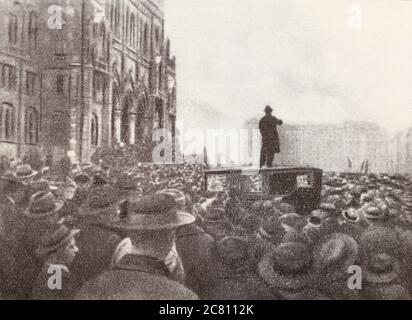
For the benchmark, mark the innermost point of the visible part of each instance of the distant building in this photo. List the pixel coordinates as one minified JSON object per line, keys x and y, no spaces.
{"x":333,"y":147}
{"x":103,"y":76}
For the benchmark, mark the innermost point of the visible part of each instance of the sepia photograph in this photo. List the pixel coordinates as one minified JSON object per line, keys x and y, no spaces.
{"x":232,"y":150}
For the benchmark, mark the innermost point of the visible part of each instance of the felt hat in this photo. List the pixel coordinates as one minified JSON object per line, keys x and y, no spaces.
{"x":55,"y":238}
{"x":42,"y":204}
{"x":292,"y":220}
{"x":337,"y":253}
{"x":24,"y":171}
{"x":381,"y":268}
{"x":376,"y":240}
{"x":233,"y":252}
{"x":272,"y":230}
{"x":82,"y":178}
{"x":151,"y":213}
{"x":268,"y":109}
{"x":287,"y":266}
{"x":100,"y":199}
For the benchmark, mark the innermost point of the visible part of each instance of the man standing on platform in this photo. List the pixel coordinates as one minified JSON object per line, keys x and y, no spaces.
{"x":270,"y":139}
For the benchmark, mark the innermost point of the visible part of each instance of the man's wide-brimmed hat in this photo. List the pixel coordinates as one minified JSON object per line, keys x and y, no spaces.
{"x":42,"y":204}
{"x":233,"y":252}
{"x":381,"y":268}
{"x":337,"y":253}
{"x":178,"y":195}
{"x":287,"y":266}
{"x":376,"y":240}
{"x":24,"y":171}
{"x":100,"y":200}
{"x":54,"y":239}
{"x":150,"y":213}
{"x":268,"y":109}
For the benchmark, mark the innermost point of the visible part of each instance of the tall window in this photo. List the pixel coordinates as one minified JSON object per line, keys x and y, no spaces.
{"x":33,"y":29}
{"x":146,"y":39}
{"x":8,"y":76}
{"x":7,"y":122}
{"x":60,"y":84}
{"x":157,"y":35}
{"x":158,"y":116}
{"x":127,"y":26}
{"x":117,"y":16}
{"x":99,"y":87}
{"x":31,"y":126}
{"x":132,"y":30}
{"x":30,"y":83}
{"x":160,"y":82}
{"x":103,"y":37}
{"x":13,"y":28}
{"x":94,"y":131}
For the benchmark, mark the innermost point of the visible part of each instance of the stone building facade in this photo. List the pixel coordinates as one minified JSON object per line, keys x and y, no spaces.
{"x":78,"y":75}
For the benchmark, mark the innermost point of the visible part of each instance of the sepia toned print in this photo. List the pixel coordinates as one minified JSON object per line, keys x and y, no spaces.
{"x":205,"y":150}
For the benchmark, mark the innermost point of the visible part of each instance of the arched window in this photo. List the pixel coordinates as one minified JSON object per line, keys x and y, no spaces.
{"x":33,"y":29}
{"x":94,"y":131}
{"x":132,"y":30}
{"x":31,"y":126}
{"x":7,"y":122}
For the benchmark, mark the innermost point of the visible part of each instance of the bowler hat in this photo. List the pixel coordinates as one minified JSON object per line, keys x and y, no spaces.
{"x":381,"y":268}
{"x":42,"y":204}
{"x":268,"y":109}
{"x":151,"y":213}
{"x":287,"y":266}
{"x":55,"y":238}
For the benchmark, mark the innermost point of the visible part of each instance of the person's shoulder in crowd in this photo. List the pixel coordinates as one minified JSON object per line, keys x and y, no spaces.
{"x":127,"y":285}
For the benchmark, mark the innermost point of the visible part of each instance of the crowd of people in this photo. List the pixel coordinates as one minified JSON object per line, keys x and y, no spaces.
{"x":153,"y":232}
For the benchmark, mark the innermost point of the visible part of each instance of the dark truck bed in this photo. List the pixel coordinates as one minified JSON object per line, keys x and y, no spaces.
{"x":300,"y":186}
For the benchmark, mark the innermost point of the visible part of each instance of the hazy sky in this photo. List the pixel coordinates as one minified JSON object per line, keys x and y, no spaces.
{"x":314,"y":61}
